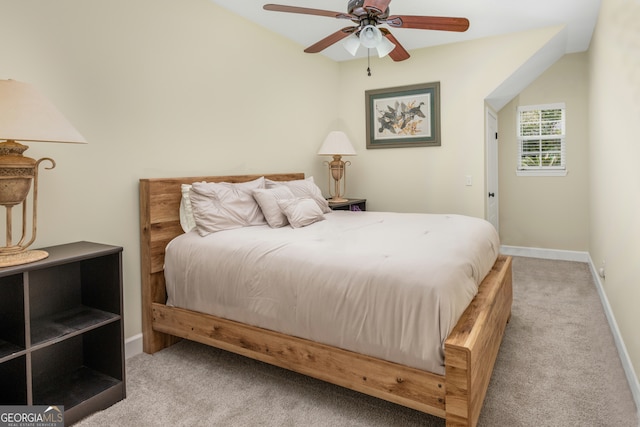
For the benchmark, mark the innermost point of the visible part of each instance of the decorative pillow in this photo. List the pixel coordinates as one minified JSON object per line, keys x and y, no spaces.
{"x":221,"y":206}
{"x":267,"y":199}
{"x":301,"y":211}
{"x":187,"y":221}
{"x":305,"y":188}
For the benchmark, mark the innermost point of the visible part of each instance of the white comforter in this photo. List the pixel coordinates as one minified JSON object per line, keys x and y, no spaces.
{"x":388,"y":285}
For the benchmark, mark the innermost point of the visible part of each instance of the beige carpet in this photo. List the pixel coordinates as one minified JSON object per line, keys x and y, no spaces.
{"x":558,"y":366}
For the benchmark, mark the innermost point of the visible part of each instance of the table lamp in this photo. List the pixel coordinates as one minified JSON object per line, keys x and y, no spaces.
{"x":337,"y":144}
{"x":25,"y":115}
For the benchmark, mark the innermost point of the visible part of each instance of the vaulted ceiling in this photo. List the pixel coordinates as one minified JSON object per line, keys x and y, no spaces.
{"x":486,"y":17}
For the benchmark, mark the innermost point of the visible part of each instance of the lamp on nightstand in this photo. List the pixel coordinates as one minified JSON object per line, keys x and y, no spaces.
{"x":337,"y":144}
{"x":25,"y":115}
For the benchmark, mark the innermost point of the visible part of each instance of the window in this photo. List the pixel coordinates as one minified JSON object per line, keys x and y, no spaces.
{"x":541,"y":140}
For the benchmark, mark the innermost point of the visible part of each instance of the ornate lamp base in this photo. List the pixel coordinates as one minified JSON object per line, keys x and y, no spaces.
{"x":337,"y":199}
{"x":24,"y":257}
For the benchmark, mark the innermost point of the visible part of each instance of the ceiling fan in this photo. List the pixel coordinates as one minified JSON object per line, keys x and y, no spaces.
{"x":367,"y":15}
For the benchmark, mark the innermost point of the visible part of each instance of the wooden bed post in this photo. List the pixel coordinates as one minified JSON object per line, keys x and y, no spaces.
{"x":472,"y":347}
{"x":153,"y":286}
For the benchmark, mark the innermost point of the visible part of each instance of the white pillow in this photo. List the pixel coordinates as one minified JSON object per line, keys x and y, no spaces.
{"x":268,"y":201}
{"x":305,"y":188}
{"x":301,"y":211}
{"x":221,"y":206}
{"x":187,"y":221}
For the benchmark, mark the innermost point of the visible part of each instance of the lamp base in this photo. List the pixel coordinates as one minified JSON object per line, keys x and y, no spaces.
{"x":24,"y":257}
{"x":337,"y":200}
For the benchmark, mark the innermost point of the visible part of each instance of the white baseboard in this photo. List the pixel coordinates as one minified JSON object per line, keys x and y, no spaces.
{"x":545,"y":253}
{"x":133,"y":346}
{"x":630,"y":373}
{"x":632,"y":378}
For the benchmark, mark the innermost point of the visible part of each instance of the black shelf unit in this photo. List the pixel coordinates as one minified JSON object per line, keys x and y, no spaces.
{"x":62,"y":332}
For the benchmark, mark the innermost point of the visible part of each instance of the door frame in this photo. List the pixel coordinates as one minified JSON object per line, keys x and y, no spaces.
{"x":492,"y":210}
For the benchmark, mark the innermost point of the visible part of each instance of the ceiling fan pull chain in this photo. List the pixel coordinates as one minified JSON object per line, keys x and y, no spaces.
{"x":369,"y":62}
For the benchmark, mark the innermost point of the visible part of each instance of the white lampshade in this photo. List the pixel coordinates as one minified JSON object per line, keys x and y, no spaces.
{"x":351,"y":44}
{"x":370,"y":36}
{"x":336,"y":143}
{"x":385,"y":47}
{"x":26,"y":115}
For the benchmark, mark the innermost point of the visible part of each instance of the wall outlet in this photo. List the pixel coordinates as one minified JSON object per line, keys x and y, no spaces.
{"x":467,"y":180}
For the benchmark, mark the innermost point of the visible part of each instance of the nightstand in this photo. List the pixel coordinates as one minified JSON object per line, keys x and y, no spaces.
{"x":350,"y":205}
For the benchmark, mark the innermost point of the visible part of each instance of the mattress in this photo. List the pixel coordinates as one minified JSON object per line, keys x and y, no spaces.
{"x":388,"y":285}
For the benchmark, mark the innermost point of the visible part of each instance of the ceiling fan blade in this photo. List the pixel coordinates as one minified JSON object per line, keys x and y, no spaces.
{"x":330,"y":39}
{"x":378,"y":6}
{"x":399,"y":53}
{"x":306,"y":11}
{"x":428,"y":23}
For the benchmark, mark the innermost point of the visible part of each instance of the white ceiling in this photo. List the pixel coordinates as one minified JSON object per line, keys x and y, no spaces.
{"x":487,"y":18}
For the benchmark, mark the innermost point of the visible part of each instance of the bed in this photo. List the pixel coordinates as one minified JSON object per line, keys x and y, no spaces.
{"x":470,"y":348}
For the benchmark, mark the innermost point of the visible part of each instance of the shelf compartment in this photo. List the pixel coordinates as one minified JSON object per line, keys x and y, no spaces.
{"x":74,"y":388}
{"x":76,"y":369}
{"x":62,"y":287}
{"x":68,"y":322}
{"x":12,"y":315}
{"x":13,"y":372}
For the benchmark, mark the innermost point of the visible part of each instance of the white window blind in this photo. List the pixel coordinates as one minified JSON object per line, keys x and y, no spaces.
{"x":541,"y":140}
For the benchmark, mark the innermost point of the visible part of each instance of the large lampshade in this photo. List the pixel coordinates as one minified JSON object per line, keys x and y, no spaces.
{"x":25,"y":115}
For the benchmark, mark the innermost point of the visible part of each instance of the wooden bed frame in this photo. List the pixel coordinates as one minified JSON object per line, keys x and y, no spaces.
{"x":470,"y":350}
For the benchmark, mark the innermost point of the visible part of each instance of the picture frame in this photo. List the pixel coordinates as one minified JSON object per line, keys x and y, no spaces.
{"x":403,"y":116}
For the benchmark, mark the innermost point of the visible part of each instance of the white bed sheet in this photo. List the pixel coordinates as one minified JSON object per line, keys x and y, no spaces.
{"x":389,"y":285}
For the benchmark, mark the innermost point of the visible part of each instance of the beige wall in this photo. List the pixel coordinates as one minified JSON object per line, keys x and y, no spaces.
{"x":614,"y":125}
{"x":158,"y":88}
{"x":432,"y":179}
{"x":548,"y":212}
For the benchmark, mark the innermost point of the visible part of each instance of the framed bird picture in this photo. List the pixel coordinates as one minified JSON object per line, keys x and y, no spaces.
{"x":405,"y":116}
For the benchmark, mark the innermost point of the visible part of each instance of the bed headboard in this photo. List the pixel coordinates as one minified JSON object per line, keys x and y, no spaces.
{"x":159,"y":223}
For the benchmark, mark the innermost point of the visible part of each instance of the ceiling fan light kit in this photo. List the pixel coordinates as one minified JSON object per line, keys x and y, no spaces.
{"x":351,"y":44}
{"x":385,"y":47}
{"x":370,"y":36}
{"x":368,"y":15}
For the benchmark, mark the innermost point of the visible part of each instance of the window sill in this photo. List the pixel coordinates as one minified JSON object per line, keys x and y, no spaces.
{"x":542,"y":172}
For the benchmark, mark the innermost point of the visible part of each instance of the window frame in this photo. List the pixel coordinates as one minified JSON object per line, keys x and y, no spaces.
{"x":539,"y":137}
